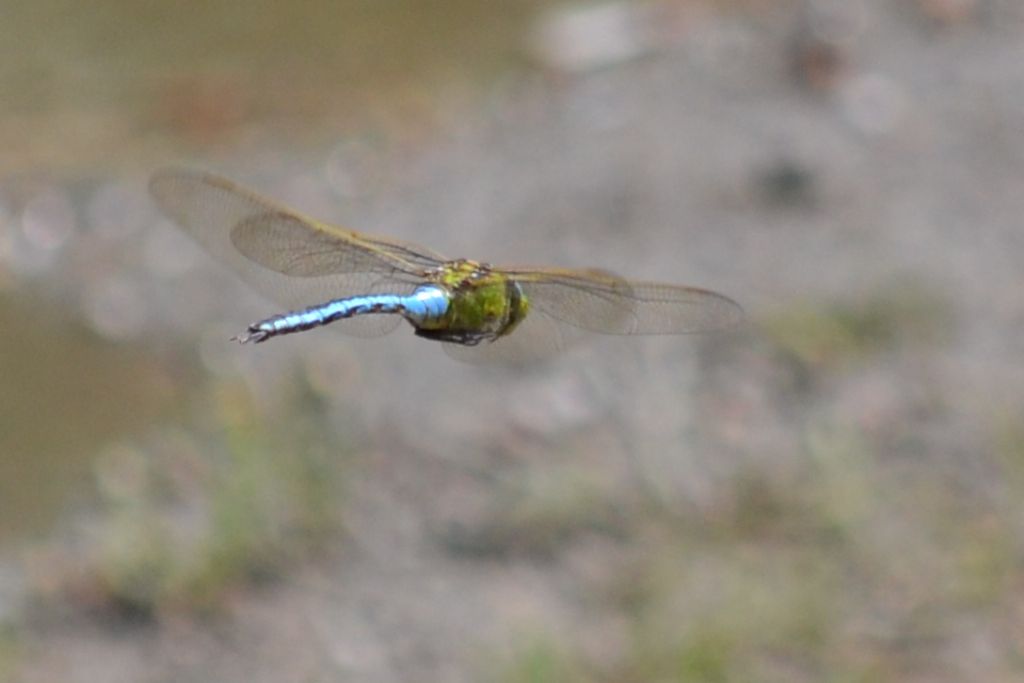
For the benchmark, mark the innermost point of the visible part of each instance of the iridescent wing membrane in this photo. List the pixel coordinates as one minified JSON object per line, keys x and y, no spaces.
{"x":292,"y":259}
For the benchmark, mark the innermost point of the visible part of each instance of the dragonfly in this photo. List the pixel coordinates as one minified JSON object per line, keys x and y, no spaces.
{"x":322,"y":273}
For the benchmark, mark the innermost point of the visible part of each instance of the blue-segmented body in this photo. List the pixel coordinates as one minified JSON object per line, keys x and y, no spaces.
{"x":423,"y":308}
{"x":480,"y":312}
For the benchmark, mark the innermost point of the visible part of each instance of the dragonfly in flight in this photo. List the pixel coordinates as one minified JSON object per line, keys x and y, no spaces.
{"x":324,"y":273}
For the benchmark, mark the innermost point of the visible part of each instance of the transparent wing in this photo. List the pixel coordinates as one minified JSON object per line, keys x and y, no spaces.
{"x":537,"y":337}
{"x":287,"y":257}
{"x":599,"y":301}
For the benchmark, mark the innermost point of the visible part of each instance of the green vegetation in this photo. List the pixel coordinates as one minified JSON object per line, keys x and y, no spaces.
{"x":539,"y":659}
{"x":839,"y":567}
{"x":1009,"y":448}
{"x":718,"y":612}
{"x":840,"y":334}
{"x":539,"y":513}
{"x":184,"y":522}
{"x":9,"y":650}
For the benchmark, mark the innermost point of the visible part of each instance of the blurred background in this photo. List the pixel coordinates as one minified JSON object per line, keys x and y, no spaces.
{"x":833,"y":492}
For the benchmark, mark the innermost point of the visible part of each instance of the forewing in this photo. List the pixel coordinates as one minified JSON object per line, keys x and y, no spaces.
{"x":602,"y":302}
{"x":302,"y":247}
{"x":287,"y":257}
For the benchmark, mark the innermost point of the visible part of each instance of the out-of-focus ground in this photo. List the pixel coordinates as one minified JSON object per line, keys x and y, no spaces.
{"x":831,"y":493}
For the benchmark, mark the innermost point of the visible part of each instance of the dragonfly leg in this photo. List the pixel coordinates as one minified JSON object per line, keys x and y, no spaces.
{"x":463,"y":337}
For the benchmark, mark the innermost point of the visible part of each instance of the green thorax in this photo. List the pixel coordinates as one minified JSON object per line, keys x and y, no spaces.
{"x":484,"y":304}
